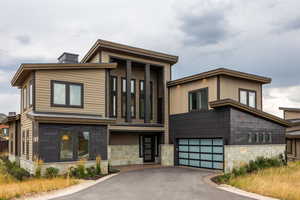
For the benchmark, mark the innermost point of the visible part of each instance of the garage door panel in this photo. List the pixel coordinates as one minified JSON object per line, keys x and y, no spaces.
{"x":202,"y":153}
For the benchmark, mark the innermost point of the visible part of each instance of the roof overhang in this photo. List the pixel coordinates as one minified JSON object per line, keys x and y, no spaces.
{"x":293,"y":134}
{"x":244,"y":108}
{"x":13,"y":118}
{"x":112,"y":46}
{"x":289,"y":109}
{"x":69,"y":118}
{"x":220,"y":71}
{"x":25,"y":69}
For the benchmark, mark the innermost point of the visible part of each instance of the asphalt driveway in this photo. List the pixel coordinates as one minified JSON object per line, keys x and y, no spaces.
{"x":159,"y":183}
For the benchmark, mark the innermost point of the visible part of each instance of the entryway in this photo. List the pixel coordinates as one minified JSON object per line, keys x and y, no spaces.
{"x":148,"y":148}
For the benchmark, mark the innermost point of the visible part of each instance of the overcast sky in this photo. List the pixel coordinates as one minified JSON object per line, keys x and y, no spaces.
{"x":260,"y":37}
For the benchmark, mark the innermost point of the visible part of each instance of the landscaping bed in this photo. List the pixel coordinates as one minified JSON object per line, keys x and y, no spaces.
{"x":268,"y":177}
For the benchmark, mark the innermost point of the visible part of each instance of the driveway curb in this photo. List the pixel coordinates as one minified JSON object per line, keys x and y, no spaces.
{"x":67,"y":191}
{"x":235,"y":190}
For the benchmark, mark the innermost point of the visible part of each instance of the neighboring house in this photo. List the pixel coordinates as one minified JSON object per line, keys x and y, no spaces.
{"x":4,"y":131}
{"x":119,"y":103}
{"x":293,"y":132}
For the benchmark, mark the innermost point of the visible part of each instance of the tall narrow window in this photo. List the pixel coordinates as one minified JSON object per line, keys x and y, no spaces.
{"x":30,"y":94}
{"x":248,"y":97}
{"x":24,"y":98}
{"x":132,"y":107}
{"x":113,"y":96}
{"x":151,"y":100}
{"x":27,"y":144}
{"x":59,"y":94}
{"x":198,"y":100}
{"x":66,"y":146}
{"x":123,"y":97}
{"x":23,"y":142}
{"x":83,"y":144}
{"x":75,"y":94}
{"x":142,"y":99}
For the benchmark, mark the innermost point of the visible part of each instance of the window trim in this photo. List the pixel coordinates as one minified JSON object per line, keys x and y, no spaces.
{"x":67,"y":84}
{"x":247,"y":91}
{"x":111,"y":97}
{"x":198,"y":90}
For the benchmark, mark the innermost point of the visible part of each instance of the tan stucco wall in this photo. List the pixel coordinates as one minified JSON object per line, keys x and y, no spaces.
{"x":229,"y":88}
{"x":179,"y":101}
{"x":291,"y":115}
{"x":94,"y":90}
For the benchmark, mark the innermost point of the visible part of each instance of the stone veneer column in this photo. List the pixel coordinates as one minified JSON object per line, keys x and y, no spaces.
{"x":167,"y":154}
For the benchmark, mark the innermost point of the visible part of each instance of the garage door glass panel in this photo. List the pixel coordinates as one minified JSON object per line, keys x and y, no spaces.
{"x":206,"y":164}
{"x":194,"y":163}
{"x":194,"y":149}
{"x":183,"y":148}
{"x":218,"y":165}
{"x":206,"y":156}
{"x":194,"y":142}
{"x":218,"y":149}
{"x":206,"y":149}
{"x":194,"y":156}
{"x":206,"y":142}
{"x":184,"y":141}
{"x":218,"y":142}
{"x":183,"y":162}
{"x":183,"y":155}
{"x":217,"y":157}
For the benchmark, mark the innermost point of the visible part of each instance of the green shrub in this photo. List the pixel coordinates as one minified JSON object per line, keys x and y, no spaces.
{"x":14,"y":169}
{"x":78,"y":172}
{"x":91,"y":171}
{"x":51,"y":172}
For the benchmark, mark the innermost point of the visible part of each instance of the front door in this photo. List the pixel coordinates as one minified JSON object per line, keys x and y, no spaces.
{"x":148,"y":146}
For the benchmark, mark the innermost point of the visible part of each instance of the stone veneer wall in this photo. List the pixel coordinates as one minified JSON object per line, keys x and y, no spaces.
{"x":167,"y":154}
{"x":238,"y":155}
{"x":124,"y":155}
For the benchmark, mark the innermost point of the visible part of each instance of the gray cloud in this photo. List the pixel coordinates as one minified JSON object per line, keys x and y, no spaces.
{"x":291,"y":25}
{"x":23,"y":39}
{"x":204,"y":29}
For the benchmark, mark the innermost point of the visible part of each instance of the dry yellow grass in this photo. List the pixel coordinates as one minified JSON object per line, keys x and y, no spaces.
{"x":15,"y":188}
{"x":282,"y":182}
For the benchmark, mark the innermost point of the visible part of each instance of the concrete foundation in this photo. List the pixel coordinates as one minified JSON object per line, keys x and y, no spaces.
{"x":167,"y":154}
{"x":124,"y":155}
{"x":238,"y":155}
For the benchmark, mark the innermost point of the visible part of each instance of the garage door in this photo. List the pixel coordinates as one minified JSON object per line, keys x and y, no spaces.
{"x":202,"y":153}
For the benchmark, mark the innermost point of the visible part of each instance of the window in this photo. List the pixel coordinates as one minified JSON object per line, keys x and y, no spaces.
{"x":142,"y":99}
{"x":289,"y":146}
{"x":27,"y":144}
{"x":66,"y":146}
{"x":30,"y":94}
{"x":123,"y":97}
{"x":151,"y":100}
{"x":24,"y":98}
{"x":132,"y":93}
{"x":67,"y":94}
{"x":113,"y":96}
{"x":83,"y":144}
{"x":249,"y":138}
{"x":248,"y":97}
{"x":5,"y":132}
{"x":198,"y":100}
{"x":23,"y":142}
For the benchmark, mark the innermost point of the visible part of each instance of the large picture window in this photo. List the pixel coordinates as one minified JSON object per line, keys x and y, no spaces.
{"x":198,"y":100}
{"x":83,"y":144}
{"x":247,"y":97}
{"x":113,"y":96}
{"x":66,"y":94}
{"x":66,"y":146}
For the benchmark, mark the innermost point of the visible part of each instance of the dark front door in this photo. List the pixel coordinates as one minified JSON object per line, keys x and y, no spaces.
{"x":148,"y":146}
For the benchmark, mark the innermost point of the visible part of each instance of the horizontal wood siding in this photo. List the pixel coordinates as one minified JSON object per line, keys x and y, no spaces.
{"x":94,"y":90}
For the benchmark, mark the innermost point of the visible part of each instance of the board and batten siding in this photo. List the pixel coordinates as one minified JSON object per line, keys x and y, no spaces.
{"x":179,"y":99}
{"x":93,"y":81}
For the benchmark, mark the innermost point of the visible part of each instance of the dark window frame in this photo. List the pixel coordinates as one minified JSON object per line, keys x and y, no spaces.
{"x":27,"y":145}
{"x":141,"y":97}
{"x":248,"y":91}
{"x":123,"y":97}
{"x":67,"y":96}
{"x":289,"y":148}
{"x":24,"y":97}
{"x":30,"y":96}
{"x":133,"y":96}
{"x":112,"y":94}
{"x":23,"y":143}
{"x":196,"y":91}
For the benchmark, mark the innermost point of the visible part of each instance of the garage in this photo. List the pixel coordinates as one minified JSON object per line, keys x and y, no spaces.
{"x":201,"y":152}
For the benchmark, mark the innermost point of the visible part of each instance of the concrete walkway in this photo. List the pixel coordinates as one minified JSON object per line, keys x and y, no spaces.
{"x":155,"y":183}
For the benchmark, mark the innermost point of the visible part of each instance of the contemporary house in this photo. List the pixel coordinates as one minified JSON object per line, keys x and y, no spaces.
{"x":293,"y":132}
{"x":120,"y":103}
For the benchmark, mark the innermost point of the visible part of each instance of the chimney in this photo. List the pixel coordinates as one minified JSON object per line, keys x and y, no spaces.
{"x":68,"y":58}
{"x":11,"y":113}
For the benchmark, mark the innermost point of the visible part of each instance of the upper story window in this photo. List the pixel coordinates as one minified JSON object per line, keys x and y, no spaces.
{"x":24,"y":95}
{"x":113,"y":96}
{"x":198,"y":100}
{"x":132,"y":94}
{"x":66,"y":94}
{"x":142,"y":99}
{"x":30,"y":92}
{"x":248,"y":97}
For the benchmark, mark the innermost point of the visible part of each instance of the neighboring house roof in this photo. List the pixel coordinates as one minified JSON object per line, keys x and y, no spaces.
{"x":3,"y":126}
{"x":25,"y":69}
{"x":220,"y":71}
{"x":13,"y":118}
{"x":107,"y":45}
{"x":256,"y":112}
{"x":2,"y":117}
{"x":290,"y":109}
{"x":69,"y":118}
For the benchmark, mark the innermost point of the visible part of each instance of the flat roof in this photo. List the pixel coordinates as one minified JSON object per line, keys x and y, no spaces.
{"x":254,"y":111}
{"x":220,"y":71}
{"x":290,"y":109}
{"x":108,"y":45}
{"x":26,"y":68}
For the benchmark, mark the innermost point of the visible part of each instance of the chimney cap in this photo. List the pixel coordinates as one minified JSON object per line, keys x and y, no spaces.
{"x":11,"y":113}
